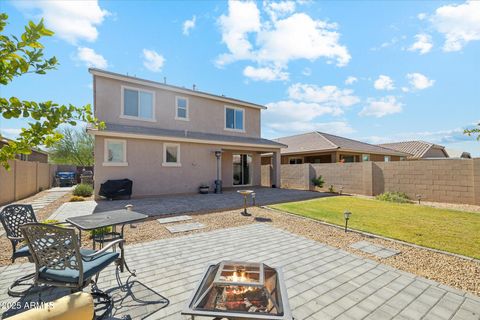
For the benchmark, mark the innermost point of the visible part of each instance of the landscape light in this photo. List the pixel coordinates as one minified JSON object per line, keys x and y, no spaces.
{"x":346,"y":215}
{"x":419,"y":197}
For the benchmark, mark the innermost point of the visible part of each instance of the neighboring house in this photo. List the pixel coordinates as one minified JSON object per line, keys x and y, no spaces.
{"x":169,"y":139}
{"x":458,"y":154}
{"x":319,"y":147}
{"x":418,"y":149}
{"x":37,"y":155}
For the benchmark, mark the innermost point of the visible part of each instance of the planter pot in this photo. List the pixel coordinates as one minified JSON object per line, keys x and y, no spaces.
{"x":203,"y":190}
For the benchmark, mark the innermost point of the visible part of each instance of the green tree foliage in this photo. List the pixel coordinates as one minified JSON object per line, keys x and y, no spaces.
{"x":24,"y":55}
{"x":76,"y":148}
{"x":474,"y":131}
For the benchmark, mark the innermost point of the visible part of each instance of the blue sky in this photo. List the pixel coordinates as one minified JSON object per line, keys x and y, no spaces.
{"x":374,"y":71}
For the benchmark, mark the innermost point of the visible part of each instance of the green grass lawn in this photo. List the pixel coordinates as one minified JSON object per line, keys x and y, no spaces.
{"x":448,"y":230}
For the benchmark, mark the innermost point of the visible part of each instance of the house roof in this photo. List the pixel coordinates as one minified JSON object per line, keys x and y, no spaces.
{"x":6,"y":140}
{"x":454,"y":153}
{"x":169,"y":87}
{"x":416,"y":149}
{"x":321,"y":142}
{"x":120,"y":130}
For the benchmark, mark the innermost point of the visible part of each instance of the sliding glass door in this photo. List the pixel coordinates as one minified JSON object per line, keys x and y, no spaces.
{"x":242,"y":172}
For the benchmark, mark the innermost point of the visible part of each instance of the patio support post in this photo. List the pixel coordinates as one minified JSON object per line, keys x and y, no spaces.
{"x":276,"y":163}
{"x":218,"y":181}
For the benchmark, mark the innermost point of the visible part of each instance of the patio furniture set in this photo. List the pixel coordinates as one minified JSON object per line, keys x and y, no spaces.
{"x":230,"y":290}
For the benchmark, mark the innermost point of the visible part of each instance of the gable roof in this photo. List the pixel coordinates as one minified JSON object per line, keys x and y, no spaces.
{"x":322,"y":142}
{"x":169,"y":87}
{"x":416,"y":149}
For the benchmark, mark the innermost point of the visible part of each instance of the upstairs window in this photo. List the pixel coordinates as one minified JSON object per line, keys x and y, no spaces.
{"x":234,"y":119}
{"x":181,"y":112}
{"x":138,"y":104}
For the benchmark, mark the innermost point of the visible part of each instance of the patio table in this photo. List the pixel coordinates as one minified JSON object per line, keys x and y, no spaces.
{"x":108,"y":219}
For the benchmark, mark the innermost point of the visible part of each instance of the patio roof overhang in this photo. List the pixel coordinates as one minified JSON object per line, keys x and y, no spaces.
{"x":225,"y":141}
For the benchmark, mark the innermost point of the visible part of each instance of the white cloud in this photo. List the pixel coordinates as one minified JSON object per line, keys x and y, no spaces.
{"x":419,"y":81}
{"x":264,"y":74}
{"x":279,"y":9}
{"x":351,"y":80}
{"x":276,"y":41}
{"x":152,"y":60}
{"x":70,"y":20}
{"x":423,"y":43}
{"x":327,"y":96}
{"x":459,"y":24}
{"x":91,"y":58}
{"x":307,"y":72}
{"x":381,"y":107}
{"x":421,"y":16}
{"x":440,"y":136}
{"x":305,"y":106}
{"x":384,"y":83}
{"x":10,"y":132}
{"x":189,"y":25}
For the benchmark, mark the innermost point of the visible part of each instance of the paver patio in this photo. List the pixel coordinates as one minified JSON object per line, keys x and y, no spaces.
{"x":322,"y":282}
{"x":229,"y":199}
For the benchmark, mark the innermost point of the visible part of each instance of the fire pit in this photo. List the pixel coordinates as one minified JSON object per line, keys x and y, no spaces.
{"x":240,"y":290}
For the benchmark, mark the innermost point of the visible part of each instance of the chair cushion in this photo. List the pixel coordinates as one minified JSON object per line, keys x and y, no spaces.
{"x":90,"y":268}
{"x":22,"y":252}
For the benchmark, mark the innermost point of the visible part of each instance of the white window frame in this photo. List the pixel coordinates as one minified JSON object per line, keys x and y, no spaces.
{"x":171,"y":164}
{"x":365,"y":155}
{"x":107,"y":163}
{"x":225,"y":119}
{"x":122,"y":112}
{"x":387,"y":157}
{"x":187,"y":118}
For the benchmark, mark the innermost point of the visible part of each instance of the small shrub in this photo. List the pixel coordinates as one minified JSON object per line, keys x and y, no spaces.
{"x":83,"y":190}
{"x":331,"y":189}
{"x":50,"y":221}
{"x":76,"y":199}
{"x":318,"y":181}
{"x":100,"y":231}
{"x":398,"y":197}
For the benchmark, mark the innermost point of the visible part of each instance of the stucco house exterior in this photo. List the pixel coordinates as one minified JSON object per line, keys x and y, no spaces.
{"x":320,"y":147}
{"x":169,"y":139}
{"x":418,"y":149}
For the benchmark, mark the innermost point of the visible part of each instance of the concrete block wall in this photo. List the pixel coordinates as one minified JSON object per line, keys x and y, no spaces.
{"x":440,"y":180}
{"x":266,"y":171}
{"x":24,"y":179}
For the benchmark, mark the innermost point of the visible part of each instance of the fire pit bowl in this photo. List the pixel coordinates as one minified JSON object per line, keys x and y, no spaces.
{"x":240,"y":290}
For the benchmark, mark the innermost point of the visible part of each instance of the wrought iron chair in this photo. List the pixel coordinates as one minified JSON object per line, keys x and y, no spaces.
{"x":12,"y":217}
{"x":60,"y":262}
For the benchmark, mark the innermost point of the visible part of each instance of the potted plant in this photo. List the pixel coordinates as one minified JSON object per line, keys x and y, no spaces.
{"x":204,"y":188}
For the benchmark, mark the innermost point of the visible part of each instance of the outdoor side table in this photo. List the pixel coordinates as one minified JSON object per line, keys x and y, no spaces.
{"x":113,"y":218}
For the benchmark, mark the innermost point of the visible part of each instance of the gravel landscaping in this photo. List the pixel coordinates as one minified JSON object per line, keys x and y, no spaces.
{"x":446,"y":269}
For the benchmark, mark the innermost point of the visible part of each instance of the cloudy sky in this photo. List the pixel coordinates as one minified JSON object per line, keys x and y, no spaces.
{"x":374,"y":71}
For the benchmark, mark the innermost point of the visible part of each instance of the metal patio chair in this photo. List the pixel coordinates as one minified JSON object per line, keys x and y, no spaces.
{"x":12,"y":217}
{"x":60,"y":262}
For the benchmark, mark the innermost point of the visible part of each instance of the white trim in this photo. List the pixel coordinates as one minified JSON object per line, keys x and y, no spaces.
{"x":106,"y":133}
{"x":164,"y":160}
{"x":153,"y":84}
{"x":122,"y":104}
{"x":107,"y":163}
{"x":251,"y":171}
{"x":225,"y":107}
{"x":365,"y":154}
{"x":186,"y":109}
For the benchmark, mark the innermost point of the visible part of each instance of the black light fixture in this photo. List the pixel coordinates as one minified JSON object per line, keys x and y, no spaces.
{"x":346,"y":215}
{"x":341,"y":190}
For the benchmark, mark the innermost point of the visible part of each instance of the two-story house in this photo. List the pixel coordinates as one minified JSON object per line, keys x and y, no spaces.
{"x":169,"y":139}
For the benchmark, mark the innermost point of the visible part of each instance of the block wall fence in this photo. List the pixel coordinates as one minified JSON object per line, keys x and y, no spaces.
{"x":449,"y":180}
{"x":24,"y":179}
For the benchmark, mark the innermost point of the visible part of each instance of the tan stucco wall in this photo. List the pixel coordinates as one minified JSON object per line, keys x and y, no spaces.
{"x":206,"y":115}
{"x":144,"y":157}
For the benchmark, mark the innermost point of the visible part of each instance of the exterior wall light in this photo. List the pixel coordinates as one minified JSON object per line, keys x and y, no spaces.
{"x":346,"y":215}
